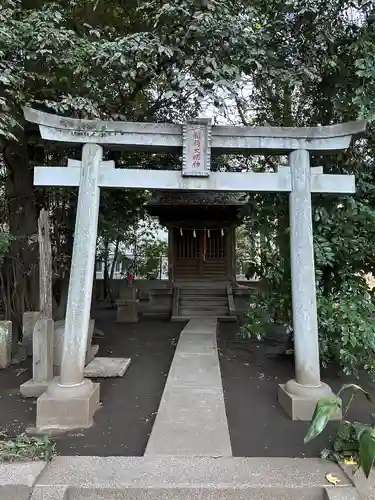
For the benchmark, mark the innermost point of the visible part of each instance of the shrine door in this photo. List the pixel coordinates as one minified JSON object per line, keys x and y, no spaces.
{"x":200,"y":255}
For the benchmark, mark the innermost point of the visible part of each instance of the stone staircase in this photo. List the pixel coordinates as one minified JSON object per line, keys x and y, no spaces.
{"x":203,"y":299}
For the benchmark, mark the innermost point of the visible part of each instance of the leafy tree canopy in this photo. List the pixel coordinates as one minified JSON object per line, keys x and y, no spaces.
{"x":280,"y":62}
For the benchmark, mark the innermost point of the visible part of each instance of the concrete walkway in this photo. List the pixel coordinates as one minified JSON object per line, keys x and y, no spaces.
{"x":191,"y":419}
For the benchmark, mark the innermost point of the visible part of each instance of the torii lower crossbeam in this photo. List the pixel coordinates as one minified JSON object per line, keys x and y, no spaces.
{"x":136,"y":178}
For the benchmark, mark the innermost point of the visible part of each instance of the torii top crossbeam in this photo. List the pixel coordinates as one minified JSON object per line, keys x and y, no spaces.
{"x":164,"y":136}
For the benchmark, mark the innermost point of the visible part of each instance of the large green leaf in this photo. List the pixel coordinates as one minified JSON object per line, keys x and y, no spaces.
{"x":356,"y":388}
{"x":367,"y":450}
{"x":324,"y":410}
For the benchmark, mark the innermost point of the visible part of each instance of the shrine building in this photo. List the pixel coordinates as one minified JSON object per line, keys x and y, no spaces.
{"x":201,"y":251}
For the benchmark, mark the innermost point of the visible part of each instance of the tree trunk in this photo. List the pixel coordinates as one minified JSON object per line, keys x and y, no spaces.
{"x":112,"y":272}
{"x":67,"y":250}
{"x":22,"y":270}
{"x":105,"y":273}
{"x":115,"y":257}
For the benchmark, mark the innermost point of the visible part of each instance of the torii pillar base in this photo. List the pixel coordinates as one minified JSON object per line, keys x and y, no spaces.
{"x":299,"y":401}
{"x":66,"y":408}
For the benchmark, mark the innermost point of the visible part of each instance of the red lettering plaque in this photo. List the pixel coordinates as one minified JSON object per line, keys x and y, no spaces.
{"x":197,"y":148}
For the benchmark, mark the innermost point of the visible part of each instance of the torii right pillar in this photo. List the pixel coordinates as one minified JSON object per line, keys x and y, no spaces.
{"x":299,"y":396}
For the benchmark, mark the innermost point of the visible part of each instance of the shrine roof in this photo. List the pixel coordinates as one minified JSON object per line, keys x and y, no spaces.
{"x":191,"y":198}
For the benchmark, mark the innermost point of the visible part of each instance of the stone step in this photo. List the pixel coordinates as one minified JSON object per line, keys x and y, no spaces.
{"x":209,"y":308}
{"x":204,"y":304}
{"x":199,"y":291}
{"x":203,"y":296}
{"x":200,"y":295}
{"x":221,"y":319}
{"x":202,"y":284}
{"x":203,"y":494}
{"x":204,"y":300}
{"x":188,"y":478}
{"x":184,"y":311}
{"x":193,"y":313}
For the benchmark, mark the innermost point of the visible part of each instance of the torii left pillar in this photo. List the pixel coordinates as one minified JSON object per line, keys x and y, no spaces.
{"x":71,"y":401}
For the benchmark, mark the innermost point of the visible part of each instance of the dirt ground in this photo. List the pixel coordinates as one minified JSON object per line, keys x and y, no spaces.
{"x":250,"y":370}
{"x":123,"y":424}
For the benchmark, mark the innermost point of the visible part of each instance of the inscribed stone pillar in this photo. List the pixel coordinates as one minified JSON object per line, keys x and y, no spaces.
{"x":5,"y":343}
{"x":299,"y":396}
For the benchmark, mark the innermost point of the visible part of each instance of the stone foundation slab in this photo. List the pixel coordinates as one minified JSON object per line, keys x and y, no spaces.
{"x":69,"y":412}
{"x":298,"y":407}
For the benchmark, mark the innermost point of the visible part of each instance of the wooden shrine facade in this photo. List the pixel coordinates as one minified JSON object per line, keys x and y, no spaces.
{"x":202,"y":234}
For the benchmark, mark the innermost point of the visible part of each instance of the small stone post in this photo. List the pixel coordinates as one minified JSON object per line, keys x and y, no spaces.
{"x":127,"y":311}
{"x":299,"y":396}
{"x":43,"y":351}
{"x":42,"y":359}
{"x":73,"y":400}
{"x":29,"y":319}
{"x":5,"y":344}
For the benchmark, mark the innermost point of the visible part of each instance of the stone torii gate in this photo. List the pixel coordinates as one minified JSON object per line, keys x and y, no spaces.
{"x":72,"y":400}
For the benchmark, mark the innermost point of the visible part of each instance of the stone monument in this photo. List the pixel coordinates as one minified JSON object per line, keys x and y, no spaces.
{"x":5,"y":344}
{"x":127,"y":310}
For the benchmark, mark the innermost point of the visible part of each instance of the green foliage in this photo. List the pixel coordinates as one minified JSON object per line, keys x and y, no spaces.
{"x":142,"y":61}
{"x":152,"y":258}
{"x":347,"y":329}
{"x":322,"y":71}
{"x":353,"y":439}
{"x":257,"y":320}
{"x":149,"y":251}
{"x":27,"y":448}
{"x":124,"y":60}
{"x":4,"y":243}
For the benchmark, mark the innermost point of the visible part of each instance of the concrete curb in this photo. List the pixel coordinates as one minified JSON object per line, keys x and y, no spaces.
{"x":342,"y":493}
{"x":17,"y":480}
{"x":362,"y":485}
